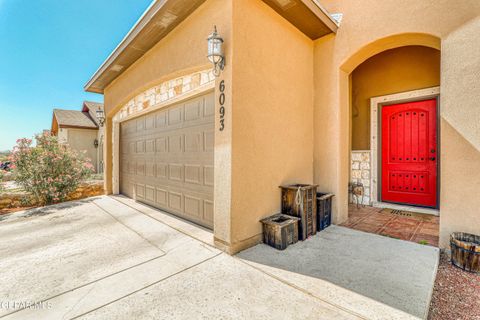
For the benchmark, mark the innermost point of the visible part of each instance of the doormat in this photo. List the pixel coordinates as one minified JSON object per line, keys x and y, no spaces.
{"x":397,"y":212}
{"x":402,"y":213}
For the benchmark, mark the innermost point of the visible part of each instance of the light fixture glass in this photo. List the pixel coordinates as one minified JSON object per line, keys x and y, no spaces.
{"x":215,"y":52}
{"x":100,"y":116}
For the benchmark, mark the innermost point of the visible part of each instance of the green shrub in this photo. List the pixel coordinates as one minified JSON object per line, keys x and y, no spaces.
{"x":49,"y":171}
{"x":1,"y":181}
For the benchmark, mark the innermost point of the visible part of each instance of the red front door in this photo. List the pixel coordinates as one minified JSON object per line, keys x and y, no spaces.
{"x":409,"y":153}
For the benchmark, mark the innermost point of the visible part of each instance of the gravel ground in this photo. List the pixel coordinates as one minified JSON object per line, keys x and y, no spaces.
{"x":456,"y":295}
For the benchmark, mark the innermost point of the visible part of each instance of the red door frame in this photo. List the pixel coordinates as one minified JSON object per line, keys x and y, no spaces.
{"x":380,"y":154}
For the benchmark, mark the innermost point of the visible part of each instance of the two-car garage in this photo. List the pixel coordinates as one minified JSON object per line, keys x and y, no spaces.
{"x":166,"y":159}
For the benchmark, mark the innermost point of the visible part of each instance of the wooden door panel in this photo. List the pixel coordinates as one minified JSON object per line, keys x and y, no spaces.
{"x":409,"y":153}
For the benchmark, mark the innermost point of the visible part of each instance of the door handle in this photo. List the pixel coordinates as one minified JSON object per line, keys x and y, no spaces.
{"x":432,"y":158}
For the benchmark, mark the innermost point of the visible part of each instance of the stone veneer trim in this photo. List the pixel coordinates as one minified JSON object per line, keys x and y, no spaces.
{"x":166,"y":91}
{"x":360,"y":171}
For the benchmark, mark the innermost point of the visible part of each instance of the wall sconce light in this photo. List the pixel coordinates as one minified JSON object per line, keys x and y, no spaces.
{"x":100,"y":116}
{"x":215,"y":52}
{"x":95,"y":143}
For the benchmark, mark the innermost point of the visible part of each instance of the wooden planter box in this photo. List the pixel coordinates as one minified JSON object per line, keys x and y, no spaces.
{"x":324,"y":210}
{"x":280,"y":231}
{"x":465,"y":251}
{"x":300,"y":200}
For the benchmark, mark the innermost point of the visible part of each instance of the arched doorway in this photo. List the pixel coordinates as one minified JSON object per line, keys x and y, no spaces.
{"x":398,"y":74}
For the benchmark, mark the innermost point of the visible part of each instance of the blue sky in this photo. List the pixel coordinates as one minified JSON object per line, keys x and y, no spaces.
{"x":48,"y":50}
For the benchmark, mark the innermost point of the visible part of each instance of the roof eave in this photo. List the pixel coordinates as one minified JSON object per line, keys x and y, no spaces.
{"x":137,"y":27}
{"x":307,"y":15}
{"x":66,"y":126}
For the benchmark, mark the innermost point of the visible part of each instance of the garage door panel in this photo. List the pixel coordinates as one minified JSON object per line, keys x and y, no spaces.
{"x":140,"y":191}
{"x":175,"y":143}
{"x":140,"y":124}
{"x":150,"y":168}
{"x":161,"y":145}
{"x":167,"y":159}
{"x":193,"y":142}
{"x":193,"y":174}
{"x":150,"y":146}
{"x":161,"y":197}
{"x":175,"y":116}
{"x":175,"y":201}
{"x":208,"y":141}
{"x":209,"y":106}
{"x":131,"y":147}
{"x":150,"y":122}
{"x":140,"y":146}
{"x":150,"y":193}
{"x":208,"y":211}
{"x":140,"y":168}
{"x":162,"y":170}
{"x":193,"y":110}
{"x":161,"y":120}
{"x":175,"y":172}
{"x":193,"y":206}
{"x":208,"y":175}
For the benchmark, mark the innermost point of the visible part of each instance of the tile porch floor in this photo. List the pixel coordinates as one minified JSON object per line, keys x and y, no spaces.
{"x":419,"y":228}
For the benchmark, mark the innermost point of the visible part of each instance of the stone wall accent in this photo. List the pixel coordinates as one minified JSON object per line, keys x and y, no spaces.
{"x":23,"y":199}
{"x":164,"y":92}
{"x":360,"y":171}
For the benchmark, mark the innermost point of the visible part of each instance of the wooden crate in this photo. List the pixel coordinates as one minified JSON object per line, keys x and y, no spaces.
{"x":280,"y":230}
{"x":300,"y":200}
{"x":324,"y":210}
{"x":465,"y":251}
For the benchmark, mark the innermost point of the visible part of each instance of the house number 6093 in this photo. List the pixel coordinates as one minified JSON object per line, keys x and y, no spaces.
{"x":221,"y":100}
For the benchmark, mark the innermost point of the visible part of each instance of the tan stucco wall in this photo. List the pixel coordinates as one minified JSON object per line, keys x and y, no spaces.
{"x":460,"y":132}
{"x":368,"y":27}
{"x":82,"y":140}
{"x":272,"y":115}
{"x":460,"y":178}
{"x":62,"y":135}
{"x":396,"y":70}
{"x":267,"y":149}
{"x":183,"y":51}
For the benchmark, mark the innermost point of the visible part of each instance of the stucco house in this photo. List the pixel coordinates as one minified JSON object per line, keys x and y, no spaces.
{"x":312,"y":91}
{"x":82,"y":130}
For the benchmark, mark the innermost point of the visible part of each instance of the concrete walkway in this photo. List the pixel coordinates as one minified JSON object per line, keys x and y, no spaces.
{"x":345,"y":266}
{"x":112,"y":258}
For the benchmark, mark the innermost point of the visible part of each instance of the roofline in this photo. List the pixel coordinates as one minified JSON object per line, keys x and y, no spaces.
{"x":66,"y":126}
{"x":137,"y":27}
{"x":151,"y":12}
{"x":88,"y":101}
{"x":330,"y":22}
{"x":54,"y":118}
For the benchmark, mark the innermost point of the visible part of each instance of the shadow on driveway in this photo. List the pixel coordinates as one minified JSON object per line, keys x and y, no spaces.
{"x":46,"y":210}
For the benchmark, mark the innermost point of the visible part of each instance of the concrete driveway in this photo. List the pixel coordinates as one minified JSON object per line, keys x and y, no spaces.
{"x":111,"y":258}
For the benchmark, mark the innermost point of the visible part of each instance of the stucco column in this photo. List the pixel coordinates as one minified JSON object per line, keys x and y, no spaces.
{"x":108,"y":155}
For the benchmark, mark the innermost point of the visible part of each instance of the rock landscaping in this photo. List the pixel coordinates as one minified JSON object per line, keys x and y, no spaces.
{"x":456,"y":294}
{"x":17,"y":198}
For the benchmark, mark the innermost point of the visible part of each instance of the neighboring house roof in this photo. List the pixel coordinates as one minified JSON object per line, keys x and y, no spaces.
{"x":92,"y":107}
{"x":74,"y":118}
{"x":164,"y":15}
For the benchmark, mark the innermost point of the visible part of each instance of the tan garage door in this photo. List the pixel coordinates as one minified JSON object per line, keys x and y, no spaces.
{"x":167,"y":159}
